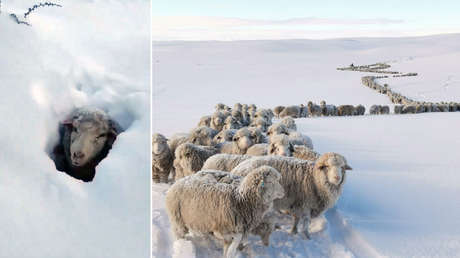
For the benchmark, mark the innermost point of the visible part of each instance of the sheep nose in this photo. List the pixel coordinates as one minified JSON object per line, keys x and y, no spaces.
{"x":78,"y":155}
{"x":337,"y":178}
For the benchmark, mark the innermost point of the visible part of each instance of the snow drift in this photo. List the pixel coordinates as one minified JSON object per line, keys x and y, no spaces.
{"x":87,"y":53}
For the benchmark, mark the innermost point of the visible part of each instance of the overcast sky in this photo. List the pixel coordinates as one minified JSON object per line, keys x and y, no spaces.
{"x":270,"y":19}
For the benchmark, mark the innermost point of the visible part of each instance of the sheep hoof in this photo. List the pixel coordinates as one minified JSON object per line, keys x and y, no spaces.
{"x":306,"y":235}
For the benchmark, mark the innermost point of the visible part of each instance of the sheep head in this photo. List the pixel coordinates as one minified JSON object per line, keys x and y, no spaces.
{"x":244,"y":138}
{"x":264,"y":181}
{"x":224,"y":136}
{"x":277,"y":129}
{"x":281,"y":146}
{"x":330,"y":167}
{"x":203,"y":135}
{"x":90,"y":132}
{"x":159,"y":144}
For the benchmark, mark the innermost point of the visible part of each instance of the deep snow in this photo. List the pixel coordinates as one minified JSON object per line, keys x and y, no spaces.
{"x":402,"y":197}
{"x":86,"y":53}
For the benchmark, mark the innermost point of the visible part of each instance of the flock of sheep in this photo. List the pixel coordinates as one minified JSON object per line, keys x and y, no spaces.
{"x":405,"y":104}
{"x":237,"y":170}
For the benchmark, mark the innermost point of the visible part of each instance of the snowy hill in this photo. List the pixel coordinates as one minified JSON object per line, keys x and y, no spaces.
{"x":70,"y":57}
{"x":400,"y":200}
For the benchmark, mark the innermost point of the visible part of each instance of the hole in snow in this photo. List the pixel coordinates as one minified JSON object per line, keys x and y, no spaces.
{"x":85,"y":138}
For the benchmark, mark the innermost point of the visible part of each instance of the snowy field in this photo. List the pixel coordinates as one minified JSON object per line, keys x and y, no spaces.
{"x":92,"y":53}
{"x":402,"y":197}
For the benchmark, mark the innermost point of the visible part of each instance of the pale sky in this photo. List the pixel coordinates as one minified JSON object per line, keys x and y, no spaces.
{"x":254,"y":19}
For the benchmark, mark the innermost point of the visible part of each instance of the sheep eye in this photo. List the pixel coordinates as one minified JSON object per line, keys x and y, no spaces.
{"x":268,"y":133}
{"x":101,"y":135}
{"x":218,"y":137}
{"x":236,"y":139}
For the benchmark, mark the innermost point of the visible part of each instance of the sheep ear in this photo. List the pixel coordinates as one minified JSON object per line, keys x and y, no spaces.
{"x":261,"y":188}
{"x":114,"y":128}
{"x":348,"y":167}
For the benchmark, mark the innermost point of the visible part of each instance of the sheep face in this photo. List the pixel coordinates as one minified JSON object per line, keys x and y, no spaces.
{"x":186,"y":159}
{"x":224,"y":136}
{"x":331,"y":168}
{"x":265,"y":180}
{"x":87,"y":140}
{"x":203,"y":136}
{"x":277,"y":129}
{"x":280,"y":146}
{"x":260,"y":124}
{"x":244,"y":139}
{"x":159,"y":144}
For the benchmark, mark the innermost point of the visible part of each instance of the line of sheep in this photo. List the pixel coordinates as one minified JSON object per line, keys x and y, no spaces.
{"x":314,"y":110}
{"x":237,"y":170}
{"x":407,"y":105}
{"x":374,"y":68}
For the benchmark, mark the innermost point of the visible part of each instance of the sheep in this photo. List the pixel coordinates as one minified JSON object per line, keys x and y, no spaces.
{"x":294,"y":137}
{"x":277,"y":110}
{"x":242,"y":140}
{"x":205,"y":121}
{"x":374,"y":110}
{"x":328,"y":110}
{"x":398,"y":109}
{"x":190,"y":158}
{"x":257,"y":135}
{"x":384,"y":110}
{"x":260,"y":123}
{"x":279,"y":145}
{"x":266,"y":227}
{"x":231,"y":123}
{"x":310,"y":187}
{"x":220,"y":107}
{"x":218,"y":120}
{"x":345,"y":110}
{"x":289,"y":122}
{"x":236,"y":210}
{"x":408,"y":109}
{"x":305,"y":153}
{"x":162,"y":159}
{"x":203,"y":135}
{"x":85,"y":138}
{"x":298,"y":138}
{"x":224,"y":135}
{"x":292,"y":111}
{"x":276,"y":129}
{"x":224,"y":162}
{"x":303,"y":110}
{"x":264,"y":114}
{"x":360,"y":110}
{"x":238,"y":106}
{"x":246,"y":117}
{"x":313,"y":109}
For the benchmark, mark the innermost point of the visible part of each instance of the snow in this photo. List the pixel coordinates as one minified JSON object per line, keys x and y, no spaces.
{"x":402,"y":197}
{"x":91,"y":53}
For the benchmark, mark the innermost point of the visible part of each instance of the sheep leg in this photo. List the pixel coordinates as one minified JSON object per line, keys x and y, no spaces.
{"x":306,"y":223}
{"x":244,"y":242}
{"x":294,"y":227}
{"x":230,"y":250}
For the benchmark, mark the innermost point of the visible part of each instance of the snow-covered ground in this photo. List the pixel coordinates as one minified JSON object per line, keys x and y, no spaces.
{"x":402,"y":197}
{"x":86,"y":53}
